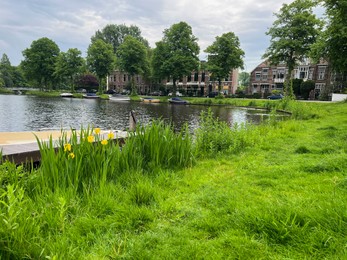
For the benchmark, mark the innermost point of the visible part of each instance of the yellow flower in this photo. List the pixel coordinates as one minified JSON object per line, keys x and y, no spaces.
{"x":90,"y":139}
{"x":67,"y":147}
{"x":104,"y":142}
{"x":97,"y":131}
{"x":71,"y":155}
{"x":110,"y":135}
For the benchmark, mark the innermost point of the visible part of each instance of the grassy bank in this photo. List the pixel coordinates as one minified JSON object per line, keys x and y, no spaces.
{"x":276,"y":191}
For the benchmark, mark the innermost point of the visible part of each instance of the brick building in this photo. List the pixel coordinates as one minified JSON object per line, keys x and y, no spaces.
{"x":198,"y":83}
{"x":266,"y":78}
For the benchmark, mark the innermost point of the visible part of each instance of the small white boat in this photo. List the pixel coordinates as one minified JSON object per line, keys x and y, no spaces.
{"x":66,"y":94}
{"x":118,"y":97}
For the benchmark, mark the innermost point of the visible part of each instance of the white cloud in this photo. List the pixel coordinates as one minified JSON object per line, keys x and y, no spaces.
{"x":72,"y":23}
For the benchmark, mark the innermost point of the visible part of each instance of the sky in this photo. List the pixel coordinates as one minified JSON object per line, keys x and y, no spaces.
{"x":72,"y":23}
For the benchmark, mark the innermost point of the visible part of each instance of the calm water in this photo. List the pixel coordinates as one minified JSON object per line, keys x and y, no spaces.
{"x":29,"y":113}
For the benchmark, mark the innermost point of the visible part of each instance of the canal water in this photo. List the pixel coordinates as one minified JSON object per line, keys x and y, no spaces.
{"x":30,"y":113}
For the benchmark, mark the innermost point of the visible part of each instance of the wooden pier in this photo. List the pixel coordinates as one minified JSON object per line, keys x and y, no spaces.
{"x":22,"y":147}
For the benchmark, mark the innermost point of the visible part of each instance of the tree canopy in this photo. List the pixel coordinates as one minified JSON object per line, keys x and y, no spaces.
{"x":132,"y":58}
{"x":100,"y":59}
{"x":69,"y":64}
{"x":292,"y":34}
{"x":115,"y":34}
{"x":224,"y":55}
{"x":176,"y":55}
{"x":39,"y":61}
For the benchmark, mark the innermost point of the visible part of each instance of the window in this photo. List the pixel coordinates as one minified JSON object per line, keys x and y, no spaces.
{"x":265,"y":70}
{"x":264,"y":77}
{"x":196,"y":76}
{"x":203,"y":77}
{"x":257,"y":75}
{"x":189,"y":78}
{"x":321,"y":73}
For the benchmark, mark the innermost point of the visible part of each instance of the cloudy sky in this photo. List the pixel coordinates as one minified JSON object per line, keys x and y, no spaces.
{"x":71,"y":23}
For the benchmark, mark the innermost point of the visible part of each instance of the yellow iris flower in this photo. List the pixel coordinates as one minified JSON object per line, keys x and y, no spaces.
{"x":104,"y":142}
{"x":71,"y":155}
{"x":90,"y":139}
{"x":110,"y":135}
{"x":67,"y":147}
{"x":97,"y":131}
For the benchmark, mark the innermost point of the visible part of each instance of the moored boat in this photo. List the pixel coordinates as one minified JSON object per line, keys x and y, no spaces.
{"x":66,"y":94}
{"x":90,"y":95}
{"x":150,"y":100}
{"x":177,"y":100}
{"x":118,"y":97}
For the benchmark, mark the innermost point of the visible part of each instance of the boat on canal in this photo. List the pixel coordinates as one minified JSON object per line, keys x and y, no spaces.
{"x":177,"y":100}
{"x":119,"y":97}
{"x":150,"y":100}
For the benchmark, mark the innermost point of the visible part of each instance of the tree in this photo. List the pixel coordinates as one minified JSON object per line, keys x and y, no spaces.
{"x":176,"y":55}
{"x":224,"y":55}
{"x":306,"y":87}
{"x":39,"y":61}
{"x":100,"y":59}
{"x":292,"y":35}
{"x":115,"y":34}
{"x":244,"y":78}
{"x":332,"y":42}
{"x":6,"y":72}
{"x":69,"y":64}
{"x":87,"y":81}
{"x":132,"y":58}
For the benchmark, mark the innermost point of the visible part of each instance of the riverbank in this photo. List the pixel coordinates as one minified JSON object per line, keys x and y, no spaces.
{"x":281,"y":194}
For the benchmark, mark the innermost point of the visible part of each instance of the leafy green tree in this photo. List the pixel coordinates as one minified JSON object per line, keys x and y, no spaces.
{"x":244,"y":78}
{"x":69,"y":64}
{"x":296,"y":83}
{"x":306,"y":87}
{"x":176,"y":55}
{"x":100,"y":59}
{"x":115,"y":35}
{"x":332,"y":43}
{"x":292,"y":34}
{"x":132,"y":58}
{"x":39,"y":62}
{"x":6,"y":72}
{"x":224,"y":55}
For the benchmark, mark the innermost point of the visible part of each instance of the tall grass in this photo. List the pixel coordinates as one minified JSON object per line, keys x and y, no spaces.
{"x":214,"y":136}
{"x":87,"y":159}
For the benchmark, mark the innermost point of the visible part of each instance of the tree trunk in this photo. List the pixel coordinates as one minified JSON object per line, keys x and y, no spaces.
{"x":133,"y":87}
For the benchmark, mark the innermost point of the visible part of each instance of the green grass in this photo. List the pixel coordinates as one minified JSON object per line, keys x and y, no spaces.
{"x":275,"y":191}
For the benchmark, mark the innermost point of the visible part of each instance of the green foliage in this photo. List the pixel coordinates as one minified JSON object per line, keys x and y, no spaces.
{"x":176,"y":55}
{"x":69,"y":65}
{"x":292,"y":35}
{"x":224,"y":55}
{"x":39,"y":62}
{"x":215,"y":137}
{"x":100,"y":59}
{"x":132,"y":58}
{"x":115,"y":35}
{"x":306,"y":87}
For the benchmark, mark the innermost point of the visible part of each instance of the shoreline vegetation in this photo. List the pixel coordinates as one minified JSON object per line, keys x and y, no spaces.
{"x":273,"y":191}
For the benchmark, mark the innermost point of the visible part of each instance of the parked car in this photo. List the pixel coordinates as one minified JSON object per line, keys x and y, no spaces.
{"x":156,"y":93}
{"x":277,"y":96}
{"x":178,"y":94}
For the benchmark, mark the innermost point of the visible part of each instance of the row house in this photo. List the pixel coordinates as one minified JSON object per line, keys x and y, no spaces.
{"x":266,"y":78}
{"x":199,"y":83}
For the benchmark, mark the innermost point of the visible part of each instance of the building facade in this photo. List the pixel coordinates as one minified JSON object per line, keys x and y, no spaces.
{"x":199,"y":83}
{"x":266,"y":78}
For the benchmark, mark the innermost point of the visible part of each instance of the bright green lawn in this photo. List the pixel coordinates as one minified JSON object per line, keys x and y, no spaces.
{"x":284,"y":197}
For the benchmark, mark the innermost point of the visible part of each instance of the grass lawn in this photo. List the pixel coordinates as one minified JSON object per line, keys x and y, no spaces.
{"x":275,"y":191}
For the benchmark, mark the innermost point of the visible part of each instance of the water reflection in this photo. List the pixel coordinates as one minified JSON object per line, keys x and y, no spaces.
{"x":29,"y":113}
